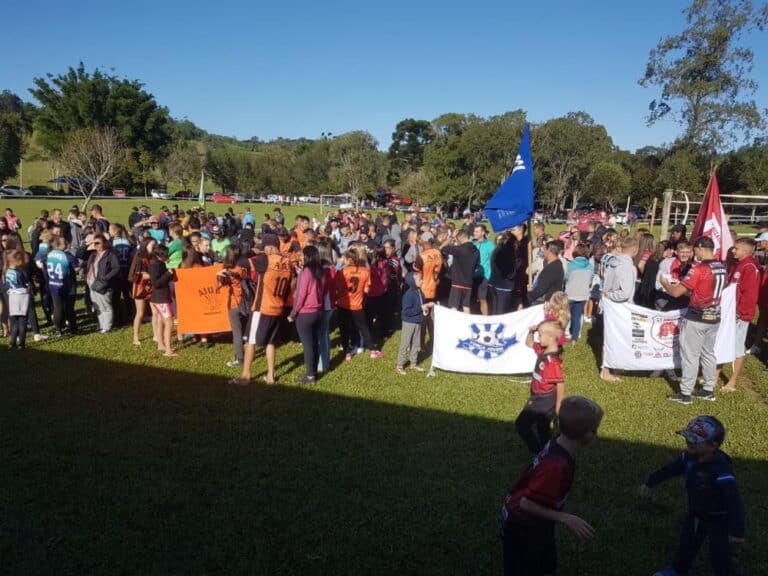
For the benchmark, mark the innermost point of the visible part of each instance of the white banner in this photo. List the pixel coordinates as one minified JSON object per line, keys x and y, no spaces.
{"x":484,"y":344}
{"x":638,"y":338}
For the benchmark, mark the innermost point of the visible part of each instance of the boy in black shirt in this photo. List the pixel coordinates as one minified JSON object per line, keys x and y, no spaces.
{"x":714,"y":504}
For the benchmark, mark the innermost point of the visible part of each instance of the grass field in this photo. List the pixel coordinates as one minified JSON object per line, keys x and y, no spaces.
{"x":118,"y":461}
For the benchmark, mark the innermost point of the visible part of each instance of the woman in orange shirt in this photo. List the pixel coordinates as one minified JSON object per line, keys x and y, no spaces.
{"x":352,"y":284}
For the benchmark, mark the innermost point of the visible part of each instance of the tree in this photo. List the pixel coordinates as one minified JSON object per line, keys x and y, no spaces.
{"x":703,"y":73}
{"x":415,"y":185}
{"x":228,"y":167}
{"x":608,"y":183}
{"x":92,"y":156}
{"x":356,"y":166}
{"x":78,"y":99}
{"x":311,"y":167}
{"x":15,"y":125}
{"x":183,"y":165}
{"x":565,"y":150}
{"x":754,"y":175}
{"x":406,"y":153}
{"x":679,"y":171}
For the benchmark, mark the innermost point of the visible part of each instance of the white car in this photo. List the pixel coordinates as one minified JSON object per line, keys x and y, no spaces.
{"x":159,"y":194}
{"x":14,"y":191}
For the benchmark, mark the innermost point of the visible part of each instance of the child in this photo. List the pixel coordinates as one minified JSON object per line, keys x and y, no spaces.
{"x":351,"y":286}
{"x":160,"y":300}
{"x":533,"y":506}
{"x":714,"y":505}
{"x":578,"y":280}
{"x":17,"y":284}
{"x":547,"y":386}
{"x":413,"y":311}
{"x":558,"y":308}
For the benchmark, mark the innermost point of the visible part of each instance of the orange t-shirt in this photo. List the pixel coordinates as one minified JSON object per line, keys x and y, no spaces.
{"x":351,"y":285}
{"x":273,"y":284}
{"x":432,"y":263}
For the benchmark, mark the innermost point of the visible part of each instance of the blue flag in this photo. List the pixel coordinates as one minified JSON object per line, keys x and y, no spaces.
{"x":513,"y":202}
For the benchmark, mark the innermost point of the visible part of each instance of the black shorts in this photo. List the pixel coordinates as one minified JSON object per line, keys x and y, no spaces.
{"x":529,"y":550}
{"x":482,"y":289}
{"x":262,"y":329}
{"x":460,"y":298}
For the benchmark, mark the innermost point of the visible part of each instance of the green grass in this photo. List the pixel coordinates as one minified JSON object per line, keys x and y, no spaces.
{"x":116,"y":460}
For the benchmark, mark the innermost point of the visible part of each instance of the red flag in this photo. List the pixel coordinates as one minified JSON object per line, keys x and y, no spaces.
{"x":711,"y":221}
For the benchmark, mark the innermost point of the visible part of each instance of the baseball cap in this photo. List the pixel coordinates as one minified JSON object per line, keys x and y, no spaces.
{"x":762,"y":237}
{"x":216,"y":230}
{"x":679,"y":228}
{"x":703,"y":429}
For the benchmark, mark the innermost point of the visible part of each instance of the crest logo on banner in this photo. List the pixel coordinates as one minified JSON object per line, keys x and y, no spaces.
{"x":487,"y":341}
{"x":664,"y":331}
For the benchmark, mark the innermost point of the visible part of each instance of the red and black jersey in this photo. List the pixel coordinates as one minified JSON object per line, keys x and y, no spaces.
{"x":705,"y":281}
{"x":547,"y":373}
{"x":547,"y":482}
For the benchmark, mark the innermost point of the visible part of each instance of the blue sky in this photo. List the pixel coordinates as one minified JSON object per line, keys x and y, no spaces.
{"x":298,"y":68}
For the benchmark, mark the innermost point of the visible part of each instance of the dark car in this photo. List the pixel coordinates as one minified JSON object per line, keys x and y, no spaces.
{"x":185,"y":195}
{"x":42,"y":191}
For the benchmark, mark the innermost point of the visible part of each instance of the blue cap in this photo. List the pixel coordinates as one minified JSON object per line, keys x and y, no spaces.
{"x":703,"y":429}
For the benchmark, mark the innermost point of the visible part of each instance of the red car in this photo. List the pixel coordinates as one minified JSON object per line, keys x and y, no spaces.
{"x":224,"y":199}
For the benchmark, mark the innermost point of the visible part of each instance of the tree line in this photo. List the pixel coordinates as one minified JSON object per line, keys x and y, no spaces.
{"x":107,"y":130}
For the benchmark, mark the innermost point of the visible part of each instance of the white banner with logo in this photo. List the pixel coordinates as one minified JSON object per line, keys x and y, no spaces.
{"x":484,"y":344}
{"x":638,"y":338}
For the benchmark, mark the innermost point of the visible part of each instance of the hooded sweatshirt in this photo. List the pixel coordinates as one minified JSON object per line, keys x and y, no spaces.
{"x":619,"y":277}
{"x":412,"y":302}
{"x":578,"y":279}
{"x":746,"y":276}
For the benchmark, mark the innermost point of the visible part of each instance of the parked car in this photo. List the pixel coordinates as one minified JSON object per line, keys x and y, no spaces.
{"x":159,"y":194}
{"x":185,"y":195}
{"x":224,"y":199}
{"x":42,"y":191}
{"x":119,"y":193}
{"x":10,"y":190}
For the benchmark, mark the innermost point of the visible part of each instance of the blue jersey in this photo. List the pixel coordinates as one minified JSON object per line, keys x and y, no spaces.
{"x":15,"y":279}
{"x":60,"y":268}
{"x":124,"y":250}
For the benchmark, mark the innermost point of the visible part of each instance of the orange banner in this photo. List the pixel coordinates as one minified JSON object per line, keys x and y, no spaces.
{"x":201,"y":307}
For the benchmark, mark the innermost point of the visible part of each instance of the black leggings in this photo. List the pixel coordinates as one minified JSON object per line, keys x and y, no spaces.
{"x":18,"y":330}
{"x":535,"y":421}
{"x":376,"y":312}
{"x":352,"y":325}
{"x":64,"y":309}
{"x":308,"y":327}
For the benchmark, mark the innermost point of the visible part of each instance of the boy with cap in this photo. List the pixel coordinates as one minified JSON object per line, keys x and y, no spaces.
{"x":535,"y":504}
{"x":715,"y":509}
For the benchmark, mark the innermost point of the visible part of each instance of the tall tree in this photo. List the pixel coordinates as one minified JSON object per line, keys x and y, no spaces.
{"x":92,"y":156}
{"x":406,"y":153}
{"x":703,"y":73}
{"x":356,"y":166}
{"x":565,"y":150}
{"x":608,"y":183}
{"x":79,"y":99}
{"x":681,"y":171}
{"x":15,"y":124}
{"x":183,"y":164}
{"x":754,"y":161}
{"x":311,"y":167}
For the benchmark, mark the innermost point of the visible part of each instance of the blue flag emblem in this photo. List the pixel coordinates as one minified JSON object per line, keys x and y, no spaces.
{"x":512,"y":204}
{"x":487,"y":341}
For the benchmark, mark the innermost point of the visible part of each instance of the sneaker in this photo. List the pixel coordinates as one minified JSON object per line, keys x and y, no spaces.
{"x":305,"y":380}
{"x":56,"y":334}
{"x":348,"y":356}
{"x":359,"y":350}
{"x":417,"y":368}
{"x":704,"y":395}
{"x":400,"y":371}
{"x":40,"y":337}
{"x":233,"y":363}
{"x":755,"y":350}
{"x":680,"y":399}
{"x":587,"y":319}
{"x":375,"y":354}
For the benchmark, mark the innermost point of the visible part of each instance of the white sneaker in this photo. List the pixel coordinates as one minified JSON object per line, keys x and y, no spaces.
{"x":755,"y":350}
{"x":233,"y":363}
{"x":40,"y":337}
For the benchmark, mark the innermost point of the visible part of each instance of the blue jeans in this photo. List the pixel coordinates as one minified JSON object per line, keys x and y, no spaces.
{"x":577,"y":311}
{"x":324,"y":362}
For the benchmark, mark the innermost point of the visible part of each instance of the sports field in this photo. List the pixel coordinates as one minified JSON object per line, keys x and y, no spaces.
{"x":116,"y":460}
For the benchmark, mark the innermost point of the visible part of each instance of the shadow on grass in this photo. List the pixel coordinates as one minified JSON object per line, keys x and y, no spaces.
{"x":115,"y":468}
